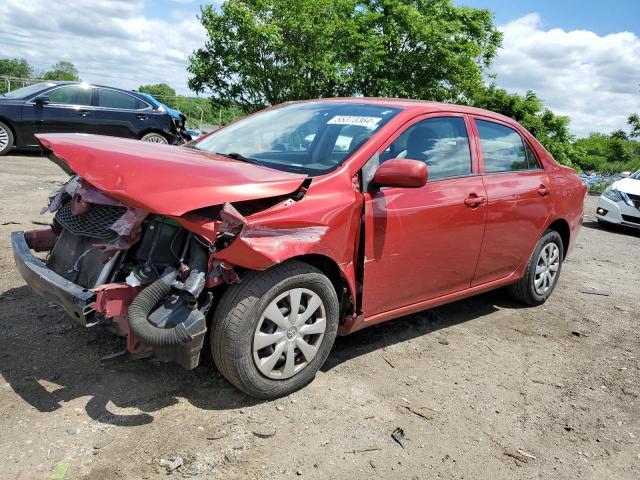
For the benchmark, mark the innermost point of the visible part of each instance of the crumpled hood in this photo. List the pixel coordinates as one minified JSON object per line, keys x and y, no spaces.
{"x":165,"y":179}
{"x":628,"y":185}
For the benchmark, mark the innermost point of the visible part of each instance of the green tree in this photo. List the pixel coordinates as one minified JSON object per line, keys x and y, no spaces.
{"x":550,"y":129}
{"x":634,"y":123}
{"x":263,"y":52}
{"x":620,"y":135}
{"x":62,"y":70}
{"x":15,"y":67}
{"x":160,"y":91}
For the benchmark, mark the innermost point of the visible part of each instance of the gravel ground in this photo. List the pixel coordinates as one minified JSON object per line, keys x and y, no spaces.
{"x":482,"y":388}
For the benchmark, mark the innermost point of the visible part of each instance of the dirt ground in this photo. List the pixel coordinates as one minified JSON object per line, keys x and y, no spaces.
{"x":482,"y":388}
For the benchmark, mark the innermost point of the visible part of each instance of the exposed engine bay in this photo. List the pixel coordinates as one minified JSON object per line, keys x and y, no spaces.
{"x":148,"y":273}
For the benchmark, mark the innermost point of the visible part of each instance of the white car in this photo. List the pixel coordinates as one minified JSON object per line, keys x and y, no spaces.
{"x":620,"y":203}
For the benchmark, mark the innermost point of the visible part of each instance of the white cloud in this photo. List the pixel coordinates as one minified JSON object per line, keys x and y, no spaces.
{"x":593,"y":79}
{"x":110,"y":41}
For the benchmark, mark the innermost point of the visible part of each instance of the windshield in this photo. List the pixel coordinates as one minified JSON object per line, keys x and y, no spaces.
{"x":636,"y":176}
{"x":312,"y":138}
{"x":26,"y":92}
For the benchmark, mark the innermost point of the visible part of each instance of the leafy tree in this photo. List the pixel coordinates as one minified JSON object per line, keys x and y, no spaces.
{"x":550,"y":129}
{"x":62,"y":70}
{"x":620,"y":135}
{"x":262,"y":52}
{"x":15,"y":67}
{"x":634,"y":123}
{"x":159,"y":90}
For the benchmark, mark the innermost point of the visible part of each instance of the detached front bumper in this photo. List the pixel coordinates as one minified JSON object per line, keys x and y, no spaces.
{"x":76,"y":300}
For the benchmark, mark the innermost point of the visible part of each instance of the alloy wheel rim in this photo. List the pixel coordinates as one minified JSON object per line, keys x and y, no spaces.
{"x":546,"y":268}
{"x":4,"y":138}
{"x":156,"y":139}
{"x":289,"y":333}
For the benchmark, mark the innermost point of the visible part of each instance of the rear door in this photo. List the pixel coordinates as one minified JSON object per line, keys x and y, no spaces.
{"x":519,"y":199}
{"x":422,"y":243}
{"x":69,"y":111}
{"x":120,"y":114}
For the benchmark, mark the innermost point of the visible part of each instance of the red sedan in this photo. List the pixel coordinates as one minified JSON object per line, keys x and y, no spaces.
{"x":298,"y":223}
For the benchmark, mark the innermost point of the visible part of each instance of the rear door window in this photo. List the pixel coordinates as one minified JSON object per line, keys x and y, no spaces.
{"x":503,"y":149}
{"x":108,"y":98}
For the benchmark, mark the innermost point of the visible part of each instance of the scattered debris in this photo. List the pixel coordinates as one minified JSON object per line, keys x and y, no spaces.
{"x":398,"y":436}
{"x":373,"y":465}
{"x":37,"y":222}
{"x":518,"y":457}
{"x":575,"y":333}
{"x":100,"y":444}
{"x":526,"y":454}
{"x":59,"y":471}
{"x":298,"y":472}
{"x":172,"y":464}
{"x":111,"y":356}
{"x":279,"y":408}
{"x":390,"y":364}
{"x":265,"y":432}
{"x":10,"y":223}
{"x":218,"y":435}
{"x":443,"y":340}
{"x":415,"y":411}
{"x":406,"y":401}
{"x":593,"y":291}
{"x":363,"y":450}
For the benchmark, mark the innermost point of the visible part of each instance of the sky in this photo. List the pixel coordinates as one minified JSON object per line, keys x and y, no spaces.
{"x":581,"y":57}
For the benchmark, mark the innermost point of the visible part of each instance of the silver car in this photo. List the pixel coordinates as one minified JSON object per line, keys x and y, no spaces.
{"x":620,"y":203}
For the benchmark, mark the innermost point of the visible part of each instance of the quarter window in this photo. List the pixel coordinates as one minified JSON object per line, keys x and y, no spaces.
{"x":503,"y":149}
{"x":442,"y":143}
{"x":71,"y":95}
{"x":112,"y":99}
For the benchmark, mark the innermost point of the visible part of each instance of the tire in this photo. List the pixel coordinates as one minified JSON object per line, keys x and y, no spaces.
{"x":241,"y":317}
{"x":526,"y":289}
{"x":154,"y":137}
{"x":6,"y":139}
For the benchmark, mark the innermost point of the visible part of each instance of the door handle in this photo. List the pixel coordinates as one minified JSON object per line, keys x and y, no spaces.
{"x":141,"y":116}
{"x":84,"y":113}
{"x":543,"y":191}
{"x":474,"y":201}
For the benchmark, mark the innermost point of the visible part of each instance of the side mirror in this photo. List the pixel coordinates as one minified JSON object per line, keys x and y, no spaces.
{"x":401,"y":172}
{"x":41,"y":100}
{"x":625,"y":174}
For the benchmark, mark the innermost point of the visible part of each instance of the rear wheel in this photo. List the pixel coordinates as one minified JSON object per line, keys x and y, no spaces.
{"x":6,"y":139}
{"x":542,"y":272}
{"x":154,"y":137}
{"x":272,"y":331}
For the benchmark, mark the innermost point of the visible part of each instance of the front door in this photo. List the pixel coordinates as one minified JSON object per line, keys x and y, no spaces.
{"x":519,"y":200}
{"x":69,"y":111}
{"x":422,"y":243}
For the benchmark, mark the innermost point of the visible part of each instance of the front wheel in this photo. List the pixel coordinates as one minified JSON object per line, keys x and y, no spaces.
{"x":6,"y":139}
{"x":542,"y":272}
{"x":272,"y":331}
{"x":154,"y":137}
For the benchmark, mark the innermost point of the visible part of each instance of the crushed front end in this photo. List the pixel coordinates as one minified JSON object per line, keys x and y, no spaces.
{"x":141,"y":275}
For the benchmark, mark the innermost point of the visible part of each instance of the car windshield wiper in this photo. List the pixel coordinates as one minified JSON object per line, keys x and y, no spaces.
{"x":238,"y":156}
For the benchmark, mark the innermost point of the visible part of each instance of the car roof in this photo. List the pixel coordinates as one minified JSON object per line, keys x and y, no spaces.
{"x":71,"y":82}
{"x":407,"y":103}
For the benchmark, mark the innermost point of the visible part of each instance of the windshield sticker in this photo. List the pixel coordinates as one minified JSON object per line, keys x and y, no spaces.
{"x":354,"y":120}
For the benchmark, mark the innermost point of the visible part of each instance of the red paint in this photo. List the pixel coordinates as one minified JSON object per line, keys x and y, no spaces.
{"x":41,"y":240}
{"x":401,"y":172}
{"x":421,"y":247}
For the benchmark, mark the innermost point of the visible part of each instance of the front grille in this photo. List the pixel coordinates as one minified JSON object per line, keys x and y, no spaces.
{"x":630,"y":219}
{"x":635,"y":199}
{"x":94,"y":223}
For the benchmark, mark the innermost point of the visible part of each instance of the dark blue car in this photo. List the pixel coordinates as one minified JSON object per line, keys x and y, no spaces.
{"x":83,"y":108}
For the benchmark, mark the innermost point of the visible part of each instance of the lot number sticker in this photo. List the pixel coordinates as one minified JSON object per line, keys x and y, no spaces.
{"x":354,"y":120}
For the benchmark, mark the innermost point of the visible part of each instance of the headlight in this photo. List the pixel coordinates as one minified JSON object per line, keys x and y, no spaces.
{"x":612,"y":194}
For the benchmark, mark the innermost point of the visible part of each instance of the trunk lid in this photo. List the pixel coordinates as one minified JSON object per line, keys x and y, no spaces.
{"x":164,"y":179}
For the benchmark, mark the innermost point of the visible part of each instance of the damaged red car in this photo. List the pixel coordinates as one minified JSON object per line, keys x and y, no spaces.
{"x":269,"y":237}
